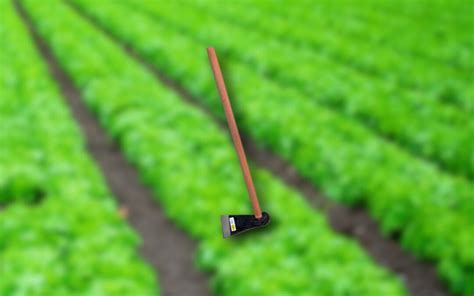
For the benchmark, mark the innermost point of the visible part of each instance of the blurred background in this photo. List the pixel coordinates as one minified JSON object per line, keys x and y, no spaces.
{"x":116,"y":162}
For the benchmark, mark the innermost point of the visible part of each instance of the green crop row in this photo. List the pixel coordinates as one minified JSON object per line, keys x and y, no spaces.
{"x":191,"y":166}
{"x":438,"y":82}
{"x":427,"y":128}
{"x":405,"y":12}
{"x":346,"y":161}
{"x":60,"y":231}
{"x":439,"y":34}
{"x":437,"y":24}
{"x":455,"y":14}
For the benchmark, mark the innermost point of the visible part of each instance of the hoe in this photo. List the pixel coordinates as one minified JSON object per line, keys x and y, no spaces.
{"x":235,"y":224}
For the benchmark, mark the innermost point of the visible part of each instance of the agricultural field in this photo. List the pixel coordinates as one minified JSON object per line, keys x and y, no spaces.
{"x":115,"y":163}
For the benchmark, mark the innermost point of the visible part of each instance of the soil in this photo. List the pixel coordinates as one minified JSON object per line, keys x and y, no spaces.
{"x":420,"y":277}
{"x":164,"y":246}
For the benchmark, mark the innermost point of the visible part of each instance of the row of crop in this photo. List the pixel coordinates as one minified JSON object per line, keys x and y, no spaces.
{"x":346,"y":161}
{"x":438,"y":82}
{"x":60,"y":231}
{"x":440,"y":19}
{"x":425,"y":36}
{"x":427,"y":128}
{"x":439,"y":10}
{"x":190,"y":164}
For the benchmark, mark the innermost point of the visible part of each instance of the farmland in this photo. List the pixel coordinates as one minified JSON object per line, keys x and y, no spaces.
{"x":382,"y":125}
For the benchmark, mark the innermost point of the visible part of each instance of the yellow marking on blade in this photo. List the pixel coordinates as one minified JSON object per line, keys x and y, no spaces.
{"x":232,"y":224}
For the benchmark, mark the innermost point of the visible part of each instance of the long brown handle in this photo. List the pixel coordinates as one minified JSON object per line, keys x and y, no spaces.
{"x":234,"y":131}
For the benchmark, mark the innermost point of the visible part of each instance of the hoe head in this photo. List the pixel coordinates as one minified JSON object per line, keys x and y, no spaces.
{"x":235,"y":224}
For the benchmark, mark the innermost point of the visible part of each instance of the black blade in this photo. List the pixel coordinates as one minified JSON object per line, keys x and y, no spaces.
{"x":235,"y":224}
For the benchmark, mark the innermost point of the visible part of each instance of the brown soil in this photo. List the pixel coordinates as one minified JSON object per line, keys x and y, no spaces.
{"x":164,"y":246}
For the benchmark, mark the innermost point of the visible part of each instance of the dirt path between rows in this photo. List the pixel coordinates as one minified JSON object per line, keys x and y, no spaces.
{"x":419,"y":277}
{"x":164,"y":246}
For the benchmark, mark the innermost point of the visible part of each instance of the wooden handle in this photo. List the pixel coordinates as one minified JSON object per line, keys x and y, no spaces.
{"x":234,"y":131}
